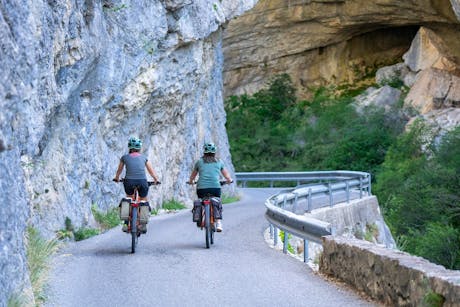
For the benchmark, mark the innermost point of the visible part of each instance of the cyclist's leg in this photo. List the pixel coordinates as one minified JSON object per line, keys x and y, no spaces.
{"x":128,"y":184}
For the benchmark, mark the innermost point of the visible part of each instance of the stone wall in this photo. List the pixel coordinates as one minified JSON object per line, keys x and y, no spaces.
{"x":392,"y":277}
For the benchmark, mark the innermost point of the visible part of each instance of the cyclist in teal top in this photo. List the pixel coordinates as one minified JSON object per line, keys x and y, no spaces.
{"x":209,"y":169}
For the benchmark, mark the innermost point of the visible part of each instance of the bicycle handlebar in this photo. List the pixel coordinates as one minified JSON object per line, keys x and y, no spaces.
{"x":222,"y":182}
{"x":148,"y":182}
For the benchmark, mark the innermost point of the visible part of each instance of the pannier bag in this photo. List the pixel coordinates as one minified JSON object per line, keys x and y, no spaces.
{"x":197,"y":210}
{"x":124,"y":208}
{"x":145,"y":212}
{"x":217,"y":207}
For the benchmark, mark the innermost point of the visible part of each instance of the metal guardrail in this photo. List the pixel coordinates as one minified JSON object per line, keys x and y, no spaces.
{"x":282,"y":207}
{"x":302,"y":177}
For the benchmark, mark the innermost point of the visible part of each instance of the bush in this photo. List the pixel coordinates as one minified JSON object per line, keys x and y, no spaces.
{"x":85,"y":233}
{"x":277,"y":133}
{"x":418,"y":187}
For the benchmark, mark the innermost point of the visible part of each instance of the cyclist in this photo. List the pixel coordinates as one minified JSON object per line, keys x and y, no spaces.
{"x":135,"y":163}
{"x":209,"y":168}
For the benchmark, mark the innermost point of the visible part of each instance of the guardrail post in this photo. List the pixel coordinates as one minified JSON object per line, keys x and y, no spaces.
{"x":285,"y":243}
{"x":331,"y":201}
{"x":271,"y":183}
{"x":284,"y":201}
{"x":369,"y":185}
{"x":294,"y":208}
{"x":305,"y":251}
{"x":348,"y":191}
{"x":360,"y":187}
{"x":275,"y":236}
{"x":309,"y":200}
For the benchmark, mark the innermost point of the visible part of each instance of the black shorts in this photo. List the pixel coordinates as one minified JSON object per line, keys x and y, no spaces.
{"x":204,"y":192}
{"x":142,"y":186}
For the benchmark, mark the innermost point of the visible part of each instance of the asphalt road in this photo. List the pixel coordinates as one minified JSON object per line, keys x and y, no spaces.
{"x":172,"y":267}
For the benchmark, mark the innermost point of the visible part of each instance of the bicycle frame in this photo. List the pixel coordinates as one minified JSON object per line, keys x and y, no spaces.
{"x":207,"y":220}
{"x":134,"y":217}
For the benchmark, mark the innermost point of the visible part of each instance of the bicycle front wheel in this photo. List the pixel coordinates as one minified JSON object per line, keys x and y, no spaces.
{"x":134,"y":230}
{"x":207,"y":225}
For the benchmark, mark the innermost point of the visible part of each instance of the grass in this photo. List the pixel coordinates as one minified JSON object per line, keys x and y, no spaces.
{"x":108,"y":219}
{"x":38,"y":252}
{"x":173,"y":204}
{"x":226,"y":199}
{"x":19,"y":300}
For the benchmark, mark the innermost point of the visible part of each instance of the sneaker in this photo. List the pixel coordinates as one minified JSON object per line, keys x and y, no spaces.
{"x":143,"y":228}
{"x":219,"y":225}
{"x":124,"y":228}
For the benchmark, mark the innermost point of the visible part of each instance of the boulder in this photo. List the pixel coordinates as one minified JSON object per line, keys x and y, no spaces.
{"x":384,"y":97}
{"x":389,"y":73}
{"x":429,"y":50}
{"x":434,"y":89}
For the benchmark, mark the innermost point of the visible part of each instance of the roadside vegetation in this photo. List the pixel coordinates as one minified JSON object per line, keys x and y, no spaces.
{"x":39,"y":251}
{"x":417,"y":183}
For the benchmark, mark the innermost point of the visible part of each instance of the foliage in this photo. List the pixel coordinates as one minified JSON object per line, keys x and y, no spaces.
{"x":418,"y":187}
{"x":271,"y":131}
{"x":66,"y":233}
{"x":173,"y":204}
{"x":18,"y":300}
{"x":289,"y":246}
{"x":38,"y":253}
{"x":417,"y":180}
{"x":108,"y":219}
{"x":85,"y":233}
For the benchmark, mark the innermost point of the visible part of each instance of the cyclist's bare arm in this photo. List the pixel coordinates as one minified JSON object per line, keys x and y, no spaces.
{"x":119,"y":170}
{"x":192,"y":176}
{"x":151,"y":171}
{"x":226,"y":176}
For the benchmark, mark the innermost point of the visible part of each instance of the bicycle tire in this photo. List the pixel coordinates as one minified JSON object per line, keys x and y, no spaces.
{"x":134,"y":230}
{"x":207,"y":225}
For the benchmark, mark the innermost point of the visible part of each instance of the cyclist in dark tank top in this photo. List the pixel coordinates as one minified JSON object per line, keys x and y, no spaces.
{"x":135,"y":163}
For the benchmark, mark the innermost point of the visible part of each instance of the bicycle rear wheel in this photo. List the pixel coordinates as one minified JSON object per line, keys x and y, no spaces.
{"x":207,"y":225}
{"x":134,"y":230}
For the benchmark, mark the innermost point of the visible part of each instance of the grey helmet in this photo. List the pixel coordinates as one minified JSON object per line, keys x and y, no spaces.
{"x":209,"y":148}
{"x":134,"y":143}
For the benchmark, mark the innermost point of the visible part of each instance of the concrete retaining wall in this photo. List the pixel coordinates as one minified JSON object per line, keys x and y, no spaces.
{"x":392,"y":277}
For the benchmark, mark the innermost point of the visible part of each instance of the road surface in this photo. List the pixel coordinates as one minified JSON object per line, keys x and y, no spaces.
{"x":172,"y":267}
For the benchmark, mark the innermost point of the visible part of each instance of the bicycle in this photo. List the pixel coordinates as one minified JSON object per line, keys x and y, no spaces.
{"x":134,"y":223}
{"x":206,"y":220}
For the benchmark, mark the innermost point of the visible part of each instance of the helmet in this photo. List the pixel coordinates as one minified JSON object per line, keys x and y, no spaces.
{"x":209,"y":148}
{"x":134,"y":143}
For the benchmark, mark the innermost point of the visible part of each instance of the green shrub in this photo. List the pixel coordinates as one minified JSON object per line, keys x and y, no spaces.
{"x":418,"y":191}
{"x":85,"y":233}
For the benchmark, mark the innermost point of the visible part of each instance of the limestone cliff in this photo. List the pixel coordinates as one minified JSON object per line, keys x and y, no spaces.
{"x":320,"y":42}
{"x":78,"y":77}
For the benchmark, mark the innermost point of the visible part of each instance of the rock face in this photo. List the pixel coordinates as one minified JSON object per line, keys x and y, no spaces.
{"x":78,"y":78}
{"x":325,"y":41}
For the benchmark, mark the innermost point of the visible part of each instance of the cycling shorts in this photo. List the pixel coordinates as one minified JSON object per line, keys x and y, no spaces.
{"x":204,"y":192}
{"x":142,"y":186}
